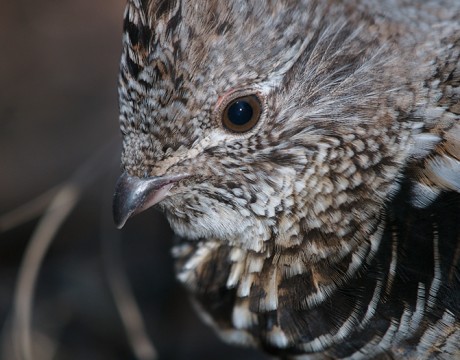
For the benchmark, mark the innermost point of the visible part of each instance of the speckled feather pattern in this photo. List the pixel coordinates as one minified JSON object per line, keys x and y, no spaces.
{"x":329,"y":230}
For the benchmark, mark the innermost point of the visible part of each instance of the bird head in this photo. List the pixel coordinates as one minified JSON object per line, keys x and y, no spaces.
{"x":253,"y":123}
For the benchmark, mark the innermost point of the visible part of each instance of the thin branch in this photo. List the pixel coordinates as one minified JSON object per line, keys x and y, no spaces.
{"x":62,"y":203}
{"x":59,"y":209}
{"x":28,"y":211}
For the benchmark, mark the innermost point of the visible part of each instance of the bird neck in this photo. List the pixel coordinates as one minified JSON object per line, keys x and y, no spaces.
{"x":382,"y":294}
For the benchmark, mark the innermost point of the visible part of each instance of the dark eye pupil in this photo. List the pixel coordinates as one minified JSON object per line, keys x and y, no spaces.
{"x":240,"y":112}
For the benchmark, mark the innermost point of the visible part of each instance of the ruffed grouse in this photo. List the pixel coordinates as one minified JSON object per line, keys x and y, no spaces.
{"x":307,"y":155}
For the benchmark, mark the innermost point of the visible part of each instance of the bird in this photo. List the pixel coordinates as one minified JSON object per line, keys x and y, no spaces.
{"x":306,"y":155}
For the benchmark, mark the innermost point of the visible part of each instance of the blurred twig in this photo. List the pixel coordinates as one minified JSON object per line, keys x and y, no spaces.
{"x":60,"y":207}
{"x":28,"y":211}
{"x":62,"y":201}
{"x":125,"y":302}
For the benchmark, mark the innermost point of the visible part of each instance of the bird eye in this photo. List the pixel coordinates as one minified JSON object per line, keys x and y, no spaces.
{"x":242,"y":114}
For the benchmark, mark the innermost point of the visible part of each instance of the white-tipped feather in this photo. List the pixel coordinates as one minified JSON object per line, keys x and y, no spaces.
{"x":444,"y":171}
{"x":423,"y":195}
{"x":424,"y":143}
{"x":440,"y":171}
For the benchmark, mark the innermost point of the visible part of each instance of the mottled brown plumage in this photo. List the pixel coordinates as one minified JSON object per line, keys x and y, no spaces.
{"x":327,"y":226}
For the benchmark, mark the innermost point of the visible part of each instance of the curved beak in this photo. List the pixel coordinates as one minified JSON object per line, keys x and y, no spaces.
{"x":134,"y":195}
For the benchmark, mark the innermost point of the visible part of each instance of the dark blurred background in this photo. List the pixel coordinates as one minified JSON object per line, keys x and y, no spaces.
{"x":58,"y":108}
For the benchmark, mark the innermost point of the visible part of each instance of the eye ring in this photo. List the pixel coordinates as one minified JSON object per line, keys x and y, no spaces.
{"x":242,"y":113}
